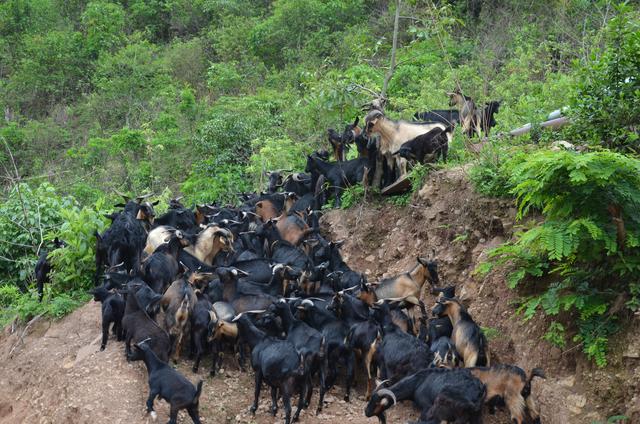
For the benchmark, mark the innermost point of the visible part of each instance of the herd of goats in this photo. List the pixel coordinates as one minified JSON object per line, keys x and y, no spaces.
{"x":261,"y":278}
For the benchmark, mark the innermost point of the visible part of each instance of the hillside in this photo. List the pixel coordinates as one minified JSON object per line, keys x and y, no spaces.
{"x":57,"y":374}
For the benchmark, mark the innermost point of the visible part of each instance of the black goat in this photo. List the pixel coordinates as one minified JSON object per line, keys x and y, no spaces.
{"x":339,"y":174}
{"x":424,"y":388}
{"x":486,"y":118}
{"x":43,"y":266}
{"x":162,"y":267}
{"x":138,"y":322}
{"x":112,"y":312}
{"x":168,"y":384}
{"x":335,"y":333}
{"x":277,"y":363}
{"x":434,"y":143}
{"x":445,"y":116}
{"x":310,"y":343}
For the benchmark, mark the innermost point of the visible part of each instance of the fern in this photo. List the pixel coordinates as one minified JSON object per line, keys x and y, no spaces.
{"x":576,"y":246}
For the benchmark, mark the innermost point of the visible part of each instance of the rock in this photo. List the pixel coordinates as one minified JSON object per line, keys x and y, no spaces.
{"x":632,"y":351}
{"x":575,"y":403}
{"x":567,"y":382}
{"x":370,"y":258}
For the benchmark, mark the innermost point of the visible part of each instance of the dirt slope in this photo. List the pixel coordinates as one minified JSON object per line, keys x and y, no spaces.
{"x":56,"y":374}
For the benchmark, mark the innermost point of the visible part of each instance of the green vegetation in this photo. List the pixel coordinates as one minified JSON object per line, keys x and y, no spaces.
{"x":201,"y":97}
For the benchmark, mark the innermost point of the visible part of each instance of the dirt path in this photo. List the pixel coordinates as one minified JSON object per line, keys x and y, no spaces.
{"x":58,"y":375}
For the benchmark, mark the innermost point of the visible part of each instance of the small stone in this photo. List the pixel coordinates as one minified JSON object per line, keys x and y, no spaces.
{"x":370,"y":258}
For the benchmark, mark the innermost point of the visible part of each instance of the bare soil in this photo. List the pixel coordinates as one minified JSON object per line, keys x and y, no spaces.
{"x":55,"y":373}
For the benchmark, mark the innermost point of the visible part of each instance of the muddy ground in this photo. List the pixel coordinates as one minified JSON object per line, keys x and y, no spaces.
{"x":54,"y":372}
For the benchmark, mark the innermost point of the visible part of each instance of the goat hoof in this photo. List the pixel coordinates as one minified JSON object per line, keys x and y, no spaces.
{"x":346,"y":398}
{"x":274,"y":411}
{"x":194,"y":369}
{"x":253,"y":410}
{"x":102,"y":347}
{"x":212,"y":373}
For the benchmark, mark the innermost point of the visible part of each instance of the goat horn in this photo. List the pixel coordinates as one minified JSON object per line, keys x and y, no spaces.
{"x":144,"y":341}
{"x":351,"y":288}
{"x":124,"y":196}
{"x":379,"y":384}
{"x":387,"y":392}
{"x":245,"y":273}
{"x":255,"y":311}
{"x":145,"y":196}
{"x":237,"y":317}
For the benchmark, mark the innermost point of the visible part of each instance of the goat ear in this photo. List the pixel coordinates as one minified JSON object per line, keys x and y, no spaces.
{"x":155,"y":203}
{"x":355,"y":123}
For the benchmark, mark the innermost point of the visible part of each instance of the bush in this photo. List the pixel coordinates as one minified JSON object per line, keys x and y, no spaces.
{"x":588,"y":244}
{"x":74,"y":265}
{"x":606,"y":103}
{"x":274,"y":153}
{"x":27,"y":219}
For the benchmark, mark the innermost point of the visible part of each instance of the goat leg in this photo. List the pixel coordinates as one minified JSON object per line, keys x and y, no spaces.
{"x":274,"y":400}
{"x":351,"y":360}
{"x":322,"y":385}
{"x":193,"y":413}
{"x":256,"y":397}
{"x":152,"y":396}
{"x":105,"y":333}
{"x":173,"y":415}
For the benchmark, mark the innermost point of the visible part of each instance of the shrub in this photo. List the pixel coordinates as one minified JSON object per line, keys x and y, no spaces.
{"x":74,"y":265}
{"x":605,"y":104}
{"x":27,"y":218}
{"x":274,"y":153}
{"x":588,"y":245}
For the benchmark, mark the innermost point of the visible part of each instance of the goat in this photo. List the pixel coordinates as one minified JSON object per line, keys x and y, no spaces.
{"x":403,"y":285}
{"x":112,"y":312}
{"x":168,"y":384}
{"x":445,"y":116}
{"x":178,"y":303}
{"x":512,"y":385}
{"x":334,"y":332}
{"x":309,"y":343}
{"x":292,"y":228}
{"x":399,"y":354}
{"x":364,"y":333}
{"x":340,"y":142}
{"x":277,"y":363}
{"x":485,"y":116}
{"x":138,"y":322}
{"x":275,"y":181}
{"x":392,"y":135}
{"x":210,"y":242}
{"x":241,"y":302}
{"x":177,"y":217}
{"x":425,"y":386}
{"x":467,"y":108}
{"x":125,"y":238}
{"x":467,"y":336}
{"x":162,"y":267}
{"x":43,"y":266}
{"x":339,"y":174}
{"x":434,"y":143}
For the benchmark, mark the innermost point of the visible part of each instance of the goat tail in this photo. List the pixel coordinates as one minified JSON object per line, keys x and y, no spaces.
{"x":536,"y":372}
{"x":198,"y":391}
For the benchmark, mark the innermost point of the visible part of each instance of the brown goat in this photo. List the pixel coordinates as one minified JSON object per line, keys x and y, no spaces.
{"x":467,"y":336}
{"x":292,"y":228}
{"x":266,"y":210}
{"x":178,"y":303}
{"x":405,"y":285}
{"x":468,"y":113}
{"x":512,"y":385}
